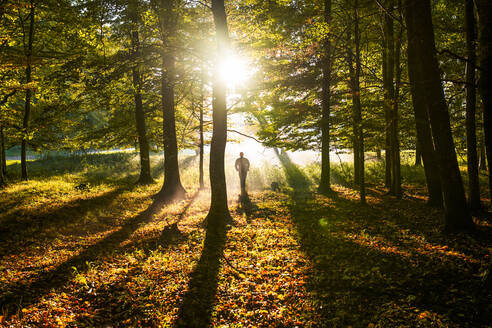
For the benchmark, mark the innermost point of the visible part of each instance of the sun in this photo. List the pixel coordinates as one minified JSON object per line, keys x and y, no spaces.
{"x":235,"y":70}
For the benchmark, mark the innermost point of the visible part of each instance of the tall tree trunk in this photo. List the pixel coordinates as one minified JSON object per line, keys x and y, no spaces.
{"x":482,"y":165}
{"x":357,"y":111}
{"x":2,"y":158}
{"x":27,"y":107}
{"x":418,"y":155}
{"x":202,"y":141}
{"x":471,"y":133}
{"x":172,"y":189}
{"x":219,"y":214}
{"x":324,"y":184}
{"x":145,"y":175}
{"x":395,"y":140}
{"x":421,"y":38}
{"x":389,"y":89}
{"x":355,"y":128}
{"x":422,"y":124}
{"x":485,"y":25}
{"x":3,"y":155}
{"x":391,"y":85}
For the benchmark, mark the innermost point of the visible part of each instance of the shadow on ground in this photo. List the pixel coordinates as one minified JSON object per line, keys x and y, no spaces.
{"x":198,"y":302}
{"x":24,"y":294}
{"x":386,"y":263}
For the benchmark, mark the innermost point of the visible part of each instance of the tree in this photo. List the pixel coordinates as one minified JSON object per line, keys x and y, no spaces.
{"x":172,"y":188}
{"x":471,"y":134}
{"x":145,"y":176}
{"x":485,"y":25}
{"x":357,"y":108}
{"x":421,"y":47}
{"x":219,"y":211}
{"x":202,"y":139}
{"x":324,"y":184}
{"x":29,"y":91}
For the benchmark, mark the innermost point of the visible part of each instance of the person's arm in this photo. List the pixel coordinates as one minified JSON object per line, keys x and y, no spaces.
{"x":247,"y":164}
{"x":236,"y":165}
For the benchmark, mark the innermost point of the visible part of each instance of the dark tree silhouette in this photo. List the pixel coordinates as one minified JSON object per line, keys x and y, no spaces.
{"x":219,"y":211}
{"x":29,"y":92}
{"x":172,"y":189}
{"x":145,"y":176}
{"x":324,"y":184}
{"x":485,"y":21}
{"x":421,"y":47}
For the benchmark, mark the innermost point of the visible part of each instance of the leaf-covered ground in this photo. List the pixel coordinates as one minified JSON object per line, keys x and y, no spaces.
{"x":108,"y":257}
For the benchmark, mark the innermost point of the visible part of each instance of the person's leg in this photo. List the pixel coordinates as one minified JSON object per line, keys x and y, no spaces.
{"x":242,"y":177}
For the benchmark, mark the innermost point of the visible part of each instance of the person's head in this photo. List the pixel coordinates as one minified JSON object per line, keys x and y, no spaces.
{"x":241,"y":154}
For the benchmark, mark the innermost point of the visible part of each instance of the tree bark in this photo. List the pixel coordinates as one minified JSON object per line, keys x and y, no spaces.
{"x":172,"y":189}
{"x":418,"y":155}
{"x":2,"y":158}
{"x":355,"y":128}
{"x":395,"y":139}
{"x":421,"y":39}
{"x":471,"y":133}
{"x":485,"y":26}
{"x":219,"y":214}
{"x":3,"y":154}
{"x":391,"y":63}
{"x":324,"y":184}
{"x":389,"y":90}
{"x":29,"y":94}
{"x":202,"y":141}
{"x":145,"y":174}
{"x":424,"y":134}
{"x":357,"y":109}
{"x":482,"y":165}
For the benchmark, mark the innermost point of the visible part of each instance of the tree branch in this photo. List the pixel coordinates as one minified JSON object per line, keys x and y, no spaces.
{"x":245,"y":135}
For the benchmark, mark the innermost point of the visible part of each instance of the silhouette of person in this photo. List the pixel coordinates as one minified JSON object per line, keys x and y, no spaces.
{"x":242,"y":166}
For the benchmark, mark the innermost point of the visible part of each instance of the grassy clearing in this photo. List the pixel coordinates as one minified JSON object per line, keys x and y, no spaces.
{"x":107,"y":256}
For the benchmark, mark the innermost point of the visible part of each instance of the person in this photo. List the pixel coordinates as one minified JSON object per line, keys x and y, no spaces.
{"x":242,"y":166}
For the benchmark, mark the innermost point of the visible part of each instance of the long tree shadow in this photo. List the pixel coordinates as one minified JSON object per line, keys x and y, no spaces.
{"x":111,"y":300}
{"x":364,"y":275}
{"x":196,"y":308}
{"x":23,"y":294}
{"x":21,"y":229}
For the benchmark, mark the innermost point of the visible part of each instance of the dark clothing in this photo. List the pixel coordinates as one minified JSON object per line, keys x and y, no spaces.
{"x":242,"y":166}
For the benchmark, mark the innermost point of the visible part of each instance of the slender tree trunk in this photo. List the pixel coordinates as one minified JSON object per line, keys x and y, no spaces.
{"x":482,"y":165}
{"x":391,"y":84}
{"x":471,"y":133}
{"x":172,"y":189}
{"x":29,"y":92}
{"x":2,"y":158}
{"x":395,"y":140}
{"x":357,"y":113}
{"x":219,"y":212}
{"x":418,"y":155}
{"x":424,"y":134}
{"x":145,"y":175}
{"x":421,"y":38}
{"x":485,"y":25}
{"x":3,"y":154}
{"x":355,"y":137}
{"x":202,"y":143}
{"x":324,"y":184}
{"x":389,"y":90}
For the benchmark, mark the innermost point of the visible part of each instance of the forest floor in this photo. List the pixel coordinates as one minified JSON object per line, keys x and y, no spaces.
{"x":109,"y":257}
